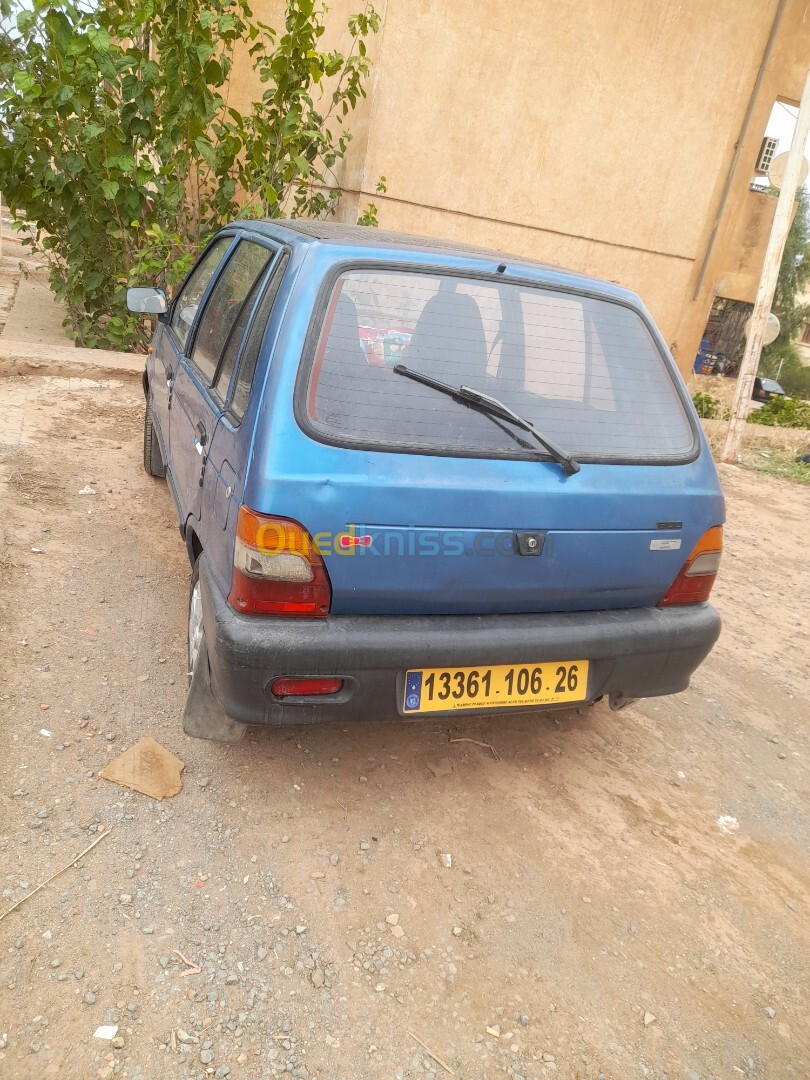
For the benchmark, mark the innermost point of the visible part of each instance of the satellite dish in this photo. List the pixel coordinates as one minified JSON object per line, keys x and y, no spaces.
{"x":772,"y":328}
{"x":776,"y":171}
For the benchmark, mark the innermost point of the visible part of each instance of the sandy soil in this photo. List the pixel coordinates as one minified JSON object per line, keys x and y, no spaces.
{"x":28,"y":310}
{"x":36,"y":317}
{"x":596,"y":917}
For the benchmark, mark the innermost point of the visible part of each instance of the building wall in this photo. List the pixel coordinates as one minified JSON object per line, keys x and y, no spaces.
{"x":802,"y":345}
{"x":592,"y":135}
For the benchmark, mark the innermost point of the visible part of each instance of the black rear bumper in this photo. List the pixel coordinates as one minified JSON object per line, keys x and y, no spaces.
{"x":641,"y":652}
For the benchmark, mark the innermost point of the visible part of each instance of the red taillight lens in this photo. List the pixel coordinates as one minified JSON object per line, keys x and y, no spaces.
{"x":303,"y":687}
{"x":277,"y":570}
{"x":696,"y":577}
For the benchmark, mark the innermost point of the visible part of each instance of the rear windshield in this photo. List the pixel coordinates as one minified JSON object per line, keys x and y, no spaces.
{"x":584,"y":371}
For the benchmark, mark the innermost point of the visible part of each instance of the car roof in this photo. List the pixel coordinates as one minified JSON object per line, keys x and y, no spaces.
{"x":772,"y":386}
{"x":370,"y":241}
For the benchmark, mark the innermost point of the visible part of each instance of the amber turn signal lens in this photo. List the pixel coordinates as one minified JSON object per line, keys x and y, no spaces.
{"x":277,"y":570}
{"x":696,"y":577}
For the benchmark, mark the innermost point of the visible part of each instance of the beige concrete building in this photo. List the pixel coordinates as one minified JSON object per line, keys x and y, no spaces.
{"x":618,"y":139}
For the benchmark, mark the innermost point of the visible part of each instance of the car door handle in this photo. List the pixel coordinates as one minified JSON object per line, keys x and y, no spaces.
{"x":200,"y":437}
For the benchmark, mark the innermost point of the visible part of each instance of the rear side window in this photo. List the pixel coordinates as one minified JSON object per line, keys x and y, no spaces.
{"x":185,"y":307}
{"x":221,"y":312}
{"x":231,"y":351}
{"x":250,"y":353}
{"x":585,"y":371}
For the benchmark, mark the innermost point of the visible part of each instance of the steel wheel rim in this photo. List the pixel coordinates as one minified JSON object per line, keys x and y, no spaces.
{"x":195,"y":626}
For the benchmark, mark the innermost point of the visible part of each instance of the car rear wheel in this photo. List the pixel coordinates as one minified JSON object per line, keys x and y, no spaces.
{"x":152,"y":457}
{"x":195,"y":624}
{"x":203,"y":716}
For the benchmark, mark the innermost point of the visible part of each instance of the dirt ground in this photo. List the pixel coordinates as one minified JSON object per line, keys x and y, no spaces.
{"x":35,"y":316}
{"x":29,"y":313}
{"x":629,"y":893}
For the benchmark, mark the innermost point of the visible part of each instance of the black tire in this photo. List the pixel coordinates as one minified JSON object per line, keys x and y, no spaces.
{"x":203,"y":716}
{"x":152,"y":457}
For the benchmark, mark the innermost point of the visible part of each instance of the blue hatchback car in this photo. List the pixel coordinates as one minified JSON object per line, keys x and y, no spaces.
{"x":416,"y":479}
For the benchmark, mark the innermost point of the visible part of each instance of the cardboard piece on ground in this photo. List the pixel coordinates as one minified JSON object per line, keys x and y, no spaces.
{"x":147,"y":767}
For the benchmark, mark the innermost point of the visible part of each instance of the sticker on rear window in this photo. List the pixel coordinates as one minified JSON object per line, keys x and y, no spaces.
{"x":664,"y":545}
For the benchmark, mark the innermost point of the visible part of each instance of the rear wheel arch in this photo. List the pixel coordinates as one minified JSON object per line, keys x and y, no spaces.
{"x":194,"y":545}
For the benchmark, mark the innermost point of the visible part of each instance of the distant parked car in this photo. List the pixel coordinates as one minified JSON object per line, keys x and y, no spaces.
{"x":416,"y":479}
{"x":765,"y":389}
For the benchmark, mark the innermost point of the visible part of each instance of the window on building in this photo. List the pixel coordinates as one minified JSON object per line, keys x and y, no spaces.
{"x":776,"y":140}
{"x":766,"y":155}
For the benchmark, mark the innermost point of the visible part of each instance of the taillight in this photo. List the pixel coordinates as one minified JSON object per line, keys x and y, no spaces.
{"x":277,"y":570}
{"x":696,"y":577}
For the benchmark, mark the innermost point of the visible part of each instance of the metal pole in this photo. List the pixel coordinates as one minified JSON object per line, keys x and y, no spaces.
{"x":767,"y":281}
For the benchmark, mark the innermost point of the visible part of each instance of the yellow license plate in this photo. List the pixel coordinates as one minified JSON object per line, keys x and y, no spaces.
{"x":445,"y":689}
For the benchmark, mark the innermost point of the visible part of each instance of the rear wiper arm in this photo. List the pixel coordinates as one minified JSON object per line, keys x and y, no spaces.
{"x":491,"y":406}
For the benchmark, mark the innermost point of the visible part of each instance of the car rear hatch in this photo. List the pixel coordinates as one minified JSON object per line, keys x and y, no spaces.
{"x":422,"y":504}
{"x":444,"y":537}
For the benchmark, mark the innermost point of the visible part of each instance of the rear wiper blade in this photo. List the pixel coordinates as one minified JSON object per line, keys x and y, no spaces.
{"x":491,"y":406}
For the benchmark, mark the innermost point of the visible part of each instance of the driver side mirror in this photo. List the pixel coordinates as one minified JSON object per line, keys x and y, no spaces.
{"x":147,"y":301}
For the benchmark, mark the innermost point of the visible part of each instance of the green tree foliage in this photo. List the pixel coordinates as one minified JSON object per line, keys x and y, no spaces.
{"x":792,"y":374}
{"x":707,"y":406}
{"x":782,"y":356}
{"x":369,"y":215}
{"x":782,"y":412}
{"x":118,"y":143}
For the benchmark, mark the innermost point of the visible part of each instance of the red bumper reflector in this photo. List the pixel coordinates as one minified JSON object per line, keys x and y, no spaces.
{"x":304,"y":687}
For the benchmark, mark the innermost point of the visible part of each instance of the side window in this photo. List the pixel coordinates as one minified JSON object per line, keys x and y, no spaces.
{"x":223,"y":306}
{"x":186,"y":304}
{"x":231,"y":351}
{"x":250,"y":353}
